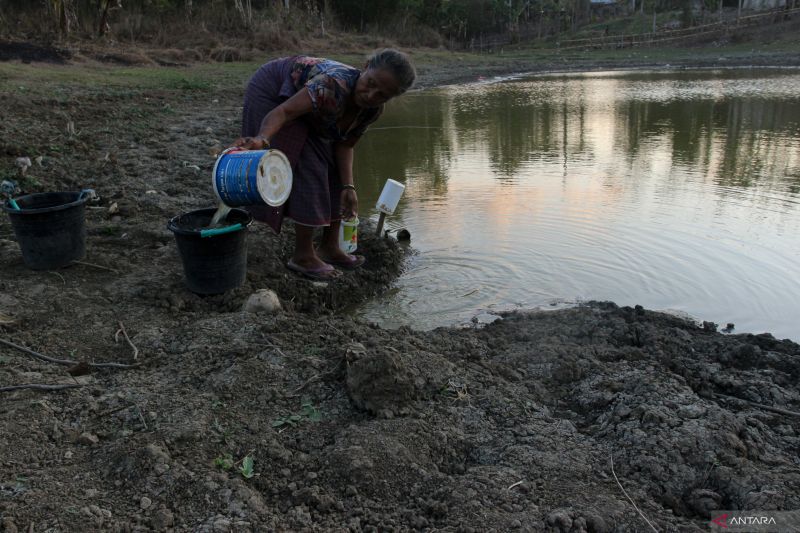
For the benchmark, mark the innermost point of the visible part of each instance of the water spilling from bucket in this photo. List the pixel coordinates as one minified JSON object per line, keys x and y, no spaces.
{"x":220,"y":215}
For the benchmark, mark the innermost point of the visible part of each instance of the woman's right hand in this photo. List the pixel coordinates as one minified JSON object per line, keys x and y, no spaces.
{"x":349,"y":203}
{"x":251,"y":143}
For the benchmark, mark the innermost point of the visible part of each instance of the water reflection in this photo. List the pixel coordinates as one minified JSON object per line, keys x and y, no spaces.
{"x":670,"y":190}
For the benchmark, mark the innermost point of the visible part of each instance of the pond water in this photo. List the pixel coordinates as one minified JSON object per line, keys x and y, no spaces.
{"x":678,"y":191}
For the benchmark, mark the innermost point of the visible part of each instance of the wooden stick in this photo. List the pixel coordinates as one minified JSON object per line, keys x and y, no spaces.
{"x":38,"y":355}
{"x":629,"y":498}
{"x":67,"y":362}
{"x":125,"y":333}
{"x":101,"y":267}
{"x":114,"y":365}
{"x":381,"y":219}
{"x":38,"y":386}
{"x":760,"y":405}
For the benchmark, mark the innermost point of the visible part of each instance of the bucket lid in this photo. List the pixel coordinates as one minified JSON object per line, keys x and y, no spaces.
{"x":274,"y":178}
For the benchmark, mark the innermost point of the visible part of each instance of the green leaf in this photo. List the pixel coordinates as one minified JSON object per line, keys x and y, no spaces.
{"x":278,"y":423}
{"x":295,"y":418}
{"x":247,"y":467}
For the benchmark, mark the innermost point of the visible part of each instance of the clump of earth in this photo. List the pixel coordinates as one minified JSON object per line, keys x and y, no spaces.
{"x":292,"y":415}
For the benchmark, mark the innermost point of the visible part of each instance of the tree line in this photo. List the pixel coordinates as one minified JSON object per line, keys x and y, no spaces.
{"x":430,"y":20}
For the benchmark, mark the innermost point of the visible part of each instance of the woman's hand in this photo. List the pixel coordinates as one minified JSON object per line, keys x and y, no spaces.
{"x":349,"y":201}
{"x":251,"y":143}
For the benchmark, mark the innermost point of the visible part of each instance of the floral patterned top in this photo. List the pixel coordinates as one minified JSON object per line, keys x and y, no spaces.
{"x":330,"y":83}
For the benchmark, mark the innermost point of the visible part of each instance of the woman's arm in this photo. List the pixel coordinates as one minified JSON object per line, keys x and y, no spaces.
{"x":296,"y":106}
{"x":343,"y":152}
{"x":344,"y":161}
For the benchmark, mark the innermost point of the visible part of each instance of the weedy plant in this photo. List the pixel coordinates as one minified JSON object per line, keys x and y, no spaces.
{"x":223,"y":433}
{"x":308,"y":412}
{"x":224,"y":461}
{"x":246,"y":464}
{"x":456,"y":391}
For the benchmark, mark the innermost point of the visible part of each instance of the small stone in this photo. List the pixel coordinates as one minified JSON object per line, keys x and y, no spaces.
{"x":221,"y":525}
{"x":68,"y":454}
{"x":162,"y":519}
{"x":22,"y":163}
{"x":596,"y":524}
{"x":161,"y":468}
{"x":145,"y":502}
{"x":113,"y":209}
{"x":9,"y":526}
{"x":87,"y":439}
{"x":263,"y":301}
{"x":560,"y":520}
{"x":91,"y":493}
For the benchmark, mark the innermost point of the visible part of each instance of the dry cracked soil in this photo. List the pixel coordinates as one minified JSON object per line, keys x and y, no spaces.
{"x":597,"y":418}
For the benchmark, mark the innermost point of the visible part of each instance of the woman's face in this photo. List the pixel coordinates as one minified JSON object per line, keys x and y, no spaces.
{"x":375,"y":87}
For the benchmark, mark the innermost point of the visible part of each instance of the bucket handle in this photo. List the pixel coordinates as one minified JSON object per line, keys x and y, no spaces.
{"x":220,"y":231}
{"x":13,"y":204}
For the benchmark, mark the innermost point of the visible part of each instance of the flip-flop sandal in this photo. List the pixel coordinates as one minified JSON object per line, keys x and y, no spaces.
{"x":352,"y":262}
{"x":323,"y":273}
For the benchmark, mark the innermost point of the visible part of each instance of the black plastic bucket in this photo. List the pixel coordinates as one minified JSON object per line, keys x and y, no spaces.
{"x":50,"y":228}
{"x":214,"y":261}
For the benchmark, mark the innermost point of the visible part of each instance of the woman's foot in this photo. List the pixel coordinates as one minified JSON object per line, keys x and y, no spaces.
{"x":313,"y":267}
{"x":337,"y":257}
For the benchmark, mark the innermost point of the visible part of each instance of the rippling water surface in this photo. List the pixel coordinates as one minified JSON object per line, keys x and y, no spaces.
{"x":678,"y":191}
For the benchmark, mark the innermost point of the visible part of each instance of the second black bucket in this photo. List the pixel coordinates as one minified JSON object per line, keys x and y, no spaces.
{"x":214,"y":261}
{"x":50,"y":228}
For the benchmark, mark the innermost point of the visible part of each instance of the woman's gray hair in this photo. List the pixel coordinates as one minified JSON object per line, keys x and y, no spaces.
{"x":397,"y":63}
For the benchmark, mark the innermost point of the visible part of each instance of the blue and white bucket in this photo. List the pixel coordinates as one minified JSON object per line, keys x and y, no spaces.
{"x":252,"y":177}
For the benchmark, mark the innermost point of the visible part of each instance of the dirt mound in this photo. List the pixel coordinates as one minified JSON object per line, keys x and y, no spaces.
{"x":511,"y":426}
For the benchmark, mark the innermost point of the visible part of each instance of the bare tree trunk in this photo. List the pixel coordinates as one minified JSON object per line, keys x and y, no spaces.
{"x":102,"y":27}
{"x":61,"y":9}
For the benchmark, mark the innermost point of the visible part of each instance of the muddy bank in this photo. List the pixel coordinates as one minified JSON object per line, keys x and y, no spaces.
{"x":347,"y":425}
{"x":509,"y":427}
